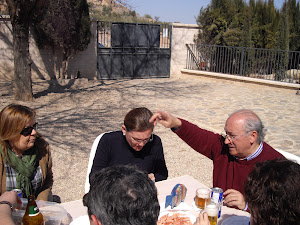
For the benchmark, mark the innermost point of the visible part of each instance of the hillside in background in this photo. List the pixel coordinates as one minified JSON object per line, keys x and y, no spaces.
{"x":110,"y":10}
{"x":116,"y":7}
{"x":106,"y":10}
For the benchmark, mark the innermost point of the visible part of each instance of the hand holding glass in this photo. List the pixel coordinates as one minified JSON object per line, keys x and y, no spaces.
{"x":212,"y":210}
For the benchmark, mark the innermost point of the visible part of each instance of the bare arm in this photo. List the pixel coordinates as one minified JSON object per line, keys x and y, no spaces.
{"x":5,"y":210}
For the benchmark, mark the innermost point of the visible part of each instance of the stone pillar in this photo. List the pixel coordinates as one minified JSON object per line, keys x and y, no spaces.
{"x":181,"y":34}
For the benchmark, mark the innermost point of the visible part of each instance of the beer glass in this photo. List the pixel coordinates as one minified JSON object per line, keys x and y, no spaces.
{"x":212,"y":210}
{"x":202,"y":197}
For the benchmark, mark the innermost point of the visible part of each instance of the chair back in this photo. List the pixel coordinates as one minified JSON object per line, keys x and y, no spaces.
{"x":289,"y":156}
{"x":91,"y":160}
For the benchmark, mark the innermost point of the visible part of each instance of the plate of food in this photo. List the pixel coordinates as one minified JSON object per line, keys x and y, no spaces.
{"x":178,"y":218}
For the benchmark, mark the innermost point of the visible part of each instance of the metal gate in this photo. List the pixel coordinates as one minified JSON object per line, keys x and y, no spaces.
{"x":130,"y":50}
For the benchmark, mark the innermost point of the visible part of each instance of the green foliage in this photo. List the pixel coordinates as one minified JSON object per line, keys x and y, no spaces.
{"x":108,"y":14}
{"x":265,"y":24}
{"x":65,"y":24}
{"x":256,"y":24}
{"x":148,"y":16}
{"x":219,"y":25}
{"x":294,"y":24}
{"x":106,"y":10}
{"x":282,"y":35}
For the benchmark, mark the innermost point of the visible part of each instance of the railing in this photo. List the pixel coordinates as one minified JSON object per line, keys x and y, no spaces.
{"x":104,"y":34}
{"x":267,"y":64}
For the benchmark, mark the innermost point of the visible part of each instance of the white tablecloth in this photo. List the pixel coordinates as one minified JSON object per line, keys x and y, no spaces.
{"x":164,"y":188}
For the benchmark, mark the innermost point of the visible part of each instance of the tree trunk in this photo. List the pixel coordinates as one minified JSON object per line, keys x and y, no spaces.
{"x":64,"y":67}
{"x":22,"y":60}
{"x":65,"y":63}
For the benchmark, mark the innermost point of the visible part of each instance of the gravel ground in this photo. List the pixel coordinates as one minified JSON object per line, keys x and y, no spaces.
{"x":72,"y":113}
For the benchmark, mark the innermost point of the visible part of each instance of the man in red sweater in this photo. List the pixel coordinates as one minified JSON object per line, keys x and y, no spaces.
{"x":234,"y":153}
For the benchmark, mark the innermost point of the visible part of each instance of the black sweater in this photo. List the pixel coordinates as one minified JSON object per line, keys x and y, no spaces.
{"x":113,"y":149}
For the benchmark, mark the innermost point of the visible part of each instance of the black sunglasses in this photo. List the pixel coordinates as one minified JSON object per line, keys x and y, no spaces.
{"x":28,"y":130}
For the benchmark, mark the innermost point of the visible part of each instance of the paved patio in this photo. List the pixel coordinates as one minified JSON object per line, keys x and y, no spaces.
{"x":72,"y":113}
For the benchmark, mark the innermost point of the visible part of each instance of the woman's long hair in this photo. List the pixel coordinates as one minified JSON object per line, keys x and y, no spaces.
{"x":13,"y":118}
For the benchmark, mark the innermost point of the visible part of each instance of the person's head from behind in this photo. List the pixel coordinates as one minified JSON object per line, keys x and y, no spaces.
{"x":272,"y":193}
{"x":122,"y":195}
{"x":17,"y":128}
{"x":137,"y":128}
{"x":244,"y":129}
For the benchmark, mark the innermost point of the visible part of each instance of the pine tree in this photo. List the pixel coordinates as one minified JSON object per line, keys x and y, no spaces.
{"x":282,"y":42}
{"x":294,"y":23}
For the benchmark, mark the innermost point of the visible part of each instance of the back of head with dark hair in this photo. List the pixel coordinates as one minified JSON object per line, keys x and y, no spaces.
{"x":137,"y":119}
{"x":273,"y":192}
{"x":122,"y":195}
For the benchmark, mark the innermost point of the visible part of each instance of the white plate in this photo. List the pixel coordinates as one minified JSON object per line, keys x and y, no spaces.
{"x":186,"y":214}
{"x":82,"y":220}
{"x":237,"y":220}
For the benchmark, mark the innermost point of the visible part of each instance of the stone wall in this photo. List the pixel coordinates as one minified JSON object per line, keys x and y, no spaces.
{"x":47,"y":62}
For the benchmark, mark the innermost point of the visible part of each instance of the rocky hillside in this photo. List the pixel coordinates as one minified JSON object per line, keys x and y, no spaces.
{"x":98,"y":4}
{"x":116,"y":7}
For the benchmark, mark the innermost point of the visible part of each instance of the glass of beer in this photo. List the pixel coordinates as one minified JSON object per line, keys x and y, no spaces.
{"x":212,"y":210}
{"x":202,"y":197}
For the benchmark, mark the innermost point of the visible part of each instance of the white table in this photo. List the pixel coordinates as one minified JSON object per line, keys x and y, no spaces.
{"x":164,"y":188}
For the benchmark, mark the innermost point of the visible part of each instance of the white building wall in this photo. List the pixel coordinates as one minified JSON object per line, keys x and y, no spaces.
{"x":182,"y":34}
{"x":47,"y":62}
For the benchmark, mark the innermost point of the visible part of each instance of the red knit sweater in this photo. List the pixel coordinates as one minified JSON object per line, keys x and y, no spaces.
{"x":228,"y":172}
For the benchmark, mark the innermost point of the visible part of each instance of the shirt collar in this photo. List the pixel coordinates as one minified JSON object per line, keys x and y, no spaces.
{"x":253,"y":155}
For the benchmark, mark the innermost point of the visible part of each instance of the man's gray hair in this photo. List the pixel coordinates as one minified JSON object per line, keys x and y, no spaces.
{"x":252,"y":123}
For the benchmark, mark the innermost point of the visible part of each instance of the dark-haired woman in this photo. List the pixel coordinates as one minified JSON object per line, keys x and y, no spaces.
{"x":272,"y":193}
{"x":25,"y":160}
{"x":135,"y":144}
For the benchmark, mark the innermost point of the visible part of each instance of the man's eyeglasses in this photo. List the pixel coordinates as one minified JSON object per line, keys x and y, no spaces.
{"x":230,"y":137}
{"x":142,"y":141}
{"x":28,"y":130}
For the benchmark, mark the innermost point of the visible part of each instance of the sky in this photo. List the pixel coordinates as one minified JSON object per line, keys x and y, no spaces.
{"x":183,"y":11}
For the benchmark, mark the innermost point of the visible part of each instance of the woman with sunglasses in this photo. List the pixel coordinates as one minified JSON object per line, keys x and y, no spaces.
{"x":25,"y":160}
{"x":135,"y":144}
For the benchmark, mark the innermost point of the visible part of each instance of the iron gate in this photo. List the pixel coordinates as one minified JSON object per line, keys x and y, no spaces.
{"x":129,"y":50}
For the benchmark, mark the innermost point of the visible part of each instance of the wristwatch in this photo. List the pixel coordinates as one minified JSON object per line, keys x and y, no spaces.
{"x":8,"y":203}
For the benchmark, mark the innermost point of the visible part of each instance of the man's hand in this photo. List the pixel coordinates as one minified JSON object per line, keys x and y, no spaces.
{"x":202,"y":219}
{"x":234,"y":198}
{"x":13,"y":198}
{"x":151,"y":176}
{"x":166,"y":119}
{"x":5,"y":211}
